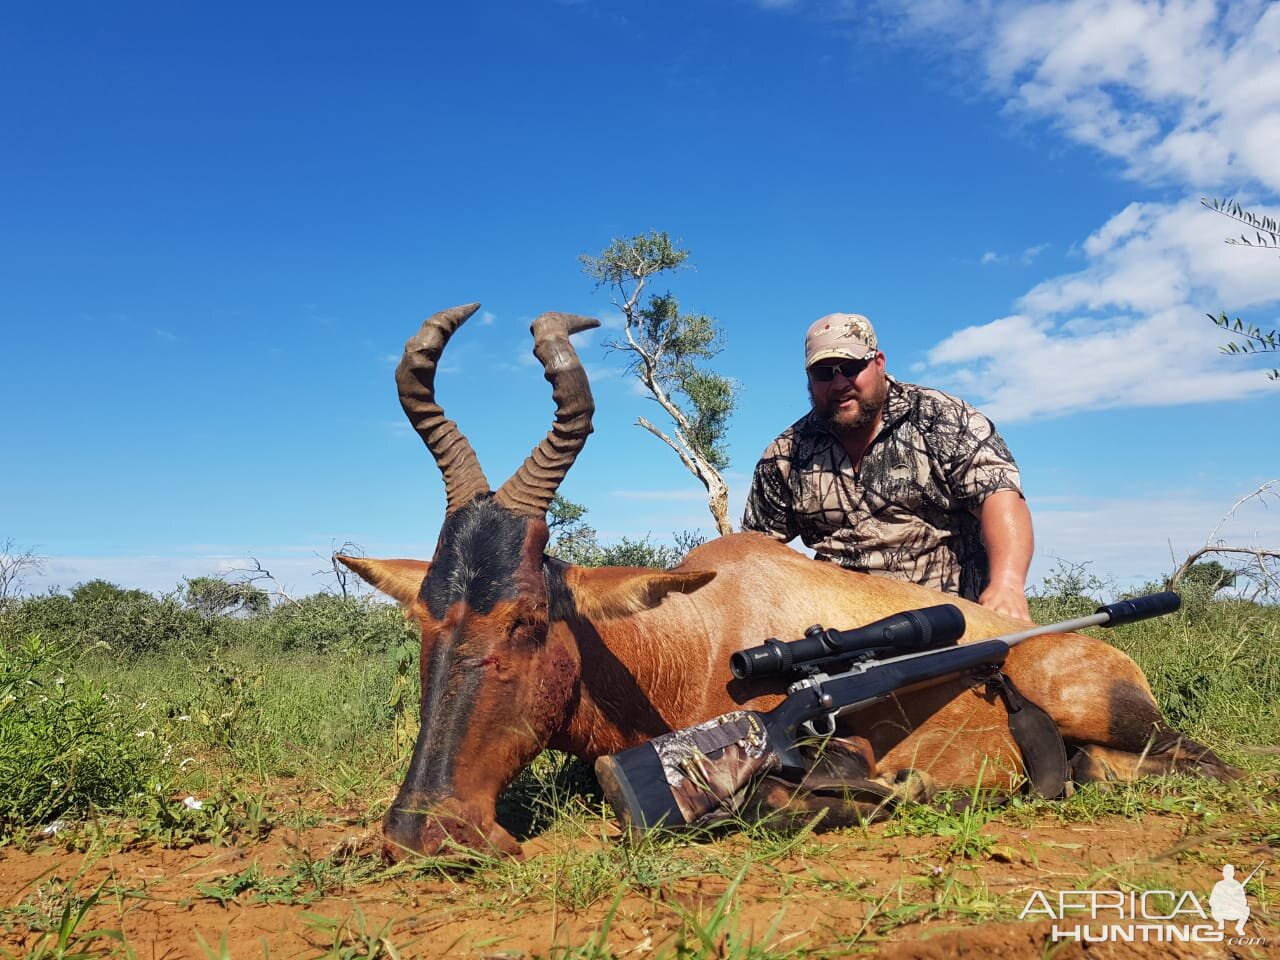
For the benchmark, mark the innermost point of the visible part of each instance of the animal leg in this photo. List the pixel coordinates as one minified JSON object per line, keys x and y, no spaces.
{"x":1169,"y":753}
{"x":835,"y":757}
{"x":839,"y":789}
{"x":834,"y":803}
{"x":1104,"y":708}
{"x":1140,"y":743}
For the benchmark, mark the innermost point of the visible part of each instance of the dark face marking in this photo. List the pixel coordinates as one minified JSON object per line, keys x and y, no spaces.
{"x":448,"y":696}
{"x":485,"y":555}
{"x":476,"y":559}
{"x":560,"y":602}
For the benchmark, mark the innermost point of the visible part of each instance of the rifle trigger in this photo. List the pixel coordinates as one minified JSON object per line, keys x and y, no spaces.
{"x":812,"y":725}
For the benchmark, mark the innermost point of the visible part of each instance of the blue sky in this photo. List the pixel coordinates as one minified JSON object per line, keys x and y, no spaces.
{"x":220,"y":225}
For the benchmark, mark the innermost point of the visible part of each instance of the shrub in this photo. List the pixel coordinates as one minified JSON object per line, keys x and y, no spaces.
{"x":1067,"y":592}
{"x":66,"y":744}
{"x":324,"y":622}
{"x":97,"y":614}
{"x":213,"y":596}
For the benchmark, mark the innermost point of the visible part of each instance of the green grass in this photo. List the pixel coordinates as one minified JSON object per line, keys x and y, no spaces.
{"x":241,"y":715}
{"x":83,"y":730}
{"x":56,"y":913}
{"x":68,"y":743}
{"x":1214,"y":667}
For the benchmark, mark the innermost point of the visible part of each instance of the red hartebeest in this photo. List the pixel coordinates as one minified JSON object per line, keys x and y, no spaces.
{"x":521,"y":651}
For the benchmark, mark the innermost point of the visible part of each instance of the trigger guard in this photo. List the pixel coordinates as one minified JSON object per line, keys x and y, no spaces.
{"x":812,"y":726}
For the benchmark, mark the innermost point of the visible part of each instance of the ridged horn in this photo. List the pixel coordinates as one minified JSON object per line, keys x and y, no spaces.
{"x":530,"y":489}
{"x":416,"y":381}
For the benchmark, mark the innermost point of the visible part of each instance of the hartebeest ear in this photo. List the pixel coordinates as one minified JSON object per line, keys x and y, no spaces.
{"x":398,"y":579}
{"x":608,"y":592}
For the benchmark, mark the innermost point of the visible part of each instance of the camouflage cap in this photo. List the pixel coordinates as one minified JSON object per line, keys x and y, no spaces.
{"x":840,"y":336}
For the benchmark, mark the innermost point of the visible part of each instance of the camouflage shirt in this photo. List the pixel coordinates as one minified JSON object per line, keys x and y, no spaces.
{"x":910,"y":512}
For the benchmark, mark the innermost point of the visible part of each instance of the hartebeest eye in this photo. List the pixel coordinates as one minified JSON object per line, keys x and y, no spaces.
{"x":526,"y":628}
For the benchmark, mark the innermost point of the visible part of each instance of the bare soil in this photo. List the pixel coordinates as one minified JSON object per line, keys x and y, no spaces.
{"x":837,"y":894}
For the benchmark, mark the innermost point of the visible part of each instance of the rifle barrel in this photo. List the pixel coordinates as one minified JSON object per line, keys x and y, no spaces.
{"x":1110,"y":615}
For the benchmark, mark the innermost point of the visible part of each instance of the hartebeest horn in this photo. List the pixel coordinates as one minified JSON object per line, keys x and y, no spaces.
{"x":530,"y":489}
{"x":416,"y":380}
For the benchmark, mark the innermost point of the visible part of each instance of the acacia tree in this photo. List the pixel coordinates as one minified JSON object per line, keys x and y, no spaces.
{"x":573,"y":540}
{"x":213,"y":597}
{"x":668,"y":351}
{"x":1266,"y":236}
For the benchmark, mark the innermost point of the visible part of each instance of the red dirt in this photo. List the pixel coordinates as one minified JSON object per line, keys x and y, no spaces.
{"x":821,"y":898}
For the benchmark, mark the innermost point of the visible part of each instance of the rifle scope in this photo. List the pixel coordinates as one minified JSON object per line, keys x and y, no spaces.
{"x":908,"y":632}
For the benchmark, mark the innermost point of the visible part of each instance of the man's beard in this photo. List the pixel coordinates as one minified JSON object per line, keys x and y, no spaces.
{"x":851,"y":420}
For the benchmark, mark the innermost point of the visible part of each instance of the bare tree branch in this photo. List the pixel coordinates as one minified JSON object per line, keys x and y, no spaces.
{"x":1265,"y":570}
{"x":15,"y":567}
{"x":348,"y":583}
{"x":679,"y":448}
{"x":259,"y":573}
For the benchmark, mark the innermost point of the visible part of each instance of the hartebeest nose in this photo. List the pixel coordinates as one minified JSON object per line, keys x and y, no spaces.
{"x":445,"y":828}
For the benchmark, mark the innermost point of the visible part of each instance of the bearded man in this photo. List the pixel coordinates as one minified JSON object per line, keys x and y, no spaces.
{"x":894,"y":479}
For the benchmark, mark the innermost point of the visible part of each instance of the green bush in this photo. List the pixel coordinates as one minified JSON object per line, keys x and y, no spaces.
{"x":1211,"y":665}
{"x":66,"y":744}
{"x":51,"y":616}
{"x":100,"y":614}
{"x":325,"y":622}
{"x":213,"y":596}
{"x":1067,"y":592}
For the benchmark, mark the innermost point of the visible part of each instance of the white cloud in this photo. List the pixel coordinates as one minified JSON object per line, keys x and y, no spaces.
{"x":1026,"y":257}
{"x":1126,"y":539}
{"x":1127,"y":330}
{"x":298,"y":569}
{"x":295,"y":574}
{"x":1135,"y":539}
{"x":612,"y":319}
{"x":1181,"y":92}
{"x":1029,"y":254}
{"x":1186,"y":91}
{"x":487,"y":318}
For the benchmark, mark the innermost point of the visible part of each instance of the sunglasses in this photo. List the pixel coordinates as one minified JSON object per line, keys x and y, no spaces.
{"x":826,"y":372}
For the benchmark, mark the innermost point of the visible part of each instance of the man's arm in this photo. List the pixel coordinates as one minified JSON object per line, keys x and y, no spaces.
{"x":768,"y":509}
{"x":1007,"y":533}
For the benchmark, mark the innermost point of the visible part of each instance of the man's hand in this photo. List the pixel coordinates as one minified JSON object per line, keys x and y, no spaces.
{"x":1006,"y":531}
{"x":1011,"y":601}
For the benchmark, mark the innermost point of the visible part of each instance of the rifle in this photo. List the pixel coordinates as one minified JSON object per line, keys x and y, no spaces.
{"x":683,"y":777}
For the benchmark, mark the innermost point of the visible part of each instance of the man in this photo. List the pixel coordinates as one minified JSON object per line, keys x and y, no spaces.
{"x":894,"y":479}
